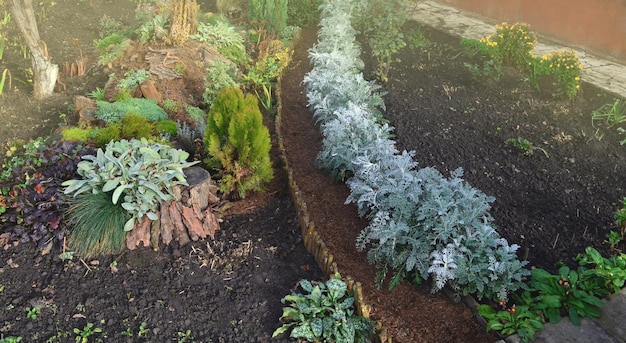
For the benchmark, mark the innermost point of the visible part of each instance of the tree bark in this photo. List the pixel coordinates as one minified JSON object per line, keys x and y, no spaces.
{"x":45,"y":72}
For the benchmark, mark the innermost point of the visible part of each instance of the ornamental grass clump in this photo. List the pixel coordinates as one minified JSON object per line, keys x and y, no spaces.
{"x":97,"y":225}
{"x":137,"y":174}
{"x":422,"y":224}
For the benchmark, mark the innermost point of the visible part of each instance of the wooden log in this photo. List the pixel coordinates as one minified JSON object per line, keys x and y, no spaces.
{"x":210,"y":223}
{"x":193,"y":224}
{"x":180,"y":232}
{"x":199,"y":188}
{"x":140,"y":233}
{"x":167,"y":227}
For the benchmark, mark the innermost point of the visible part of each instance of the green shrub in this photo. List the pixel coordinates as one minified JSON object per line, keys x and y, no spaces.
{"x":136,"y":126}
{"x":97,"y":224}
{"x":77,"y":134}
{"x":238,"y":143}
{"x":381,"y":21}
{"x":224,"y":38}
{"x":220,"y":75}
{"x":273,"y":11}
{"x":114,"y":111}
{"x":167,"y":126}
{"x":107,"y":134}
{"x":303,"y":13}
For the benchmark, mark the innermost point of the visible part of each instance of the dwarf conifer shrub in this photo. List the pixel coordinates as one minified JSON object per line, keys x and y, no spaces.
{"x":238,"y":143}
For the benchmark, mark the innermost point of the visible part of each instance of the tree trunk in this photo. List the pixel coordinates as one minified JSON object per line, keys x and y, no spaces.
{"x":45,"y":72}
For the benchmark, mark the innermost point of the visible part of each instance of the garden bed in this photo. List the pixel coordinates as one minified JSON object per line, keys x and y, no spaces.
{"x":553,"y":205}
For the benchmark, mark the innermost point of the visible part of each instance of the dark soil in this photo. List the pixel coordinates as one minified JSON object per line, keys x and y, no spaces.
{"x":229,"y":289}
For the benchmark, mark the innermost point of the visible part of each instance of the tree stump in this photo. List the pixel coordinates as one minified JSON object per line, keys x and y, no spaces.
{"x":188,"y":217}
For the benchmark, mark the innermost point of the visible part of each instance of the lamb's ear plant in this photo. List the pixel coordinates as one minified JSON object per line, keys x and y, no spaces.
{"x":324,"y":313}
{"x":138,"y":174}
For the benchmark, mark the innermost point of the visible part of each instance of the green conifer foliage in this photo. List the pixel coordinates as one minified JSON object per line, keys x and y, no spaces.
{"x":238,"y":143}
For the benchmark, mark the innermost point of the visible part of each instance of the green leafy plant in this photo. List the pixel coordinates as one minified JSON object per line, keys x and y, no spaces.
{"x":108,"y":26}
{"x":382,"y":22}
{"x":611,"y":114}
{"x":273,"y":59}
{"x":225,"y":38}
{"x":416,"y":39}
{"x":97,"y":94}
{"x":324,"y":313}
{"x":82,"y":335}
{"x":133,"y":79}
{"x":32,"y":313}
{"x":614,"y":238}
{"x":171,"y":106}
{"x":238,"y":143}
{"x":185,"y":337}
{"x":518,"y":320}
{"x":11,"y":339}
{"x":138,"y":173}
{"x":612,"y":270}
{"x":111,"y":48}
{"x":220,"y":75}
{"x":569,"y":291}
{"x":525,"y":146}
{"x":303,"y":13}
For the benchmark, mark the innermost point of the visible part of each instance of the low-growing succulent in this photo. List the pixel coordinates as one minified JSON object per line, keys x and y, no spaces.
{"x":138,"y":173}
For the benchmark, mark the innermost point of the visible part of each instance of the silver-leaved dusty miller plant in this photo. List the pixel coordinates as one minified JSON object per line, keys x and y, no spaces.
{"x":420,"y":223}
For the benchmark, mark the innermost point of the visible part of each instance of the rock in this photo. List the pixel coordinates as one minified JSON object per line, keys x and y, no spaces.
{"x":149,"y":91}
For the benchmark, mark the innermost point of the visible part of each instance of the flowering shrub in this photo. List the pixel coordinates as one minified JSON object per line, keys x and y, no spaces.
{"x":512,"y":45}
{"x":566,"y":67}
